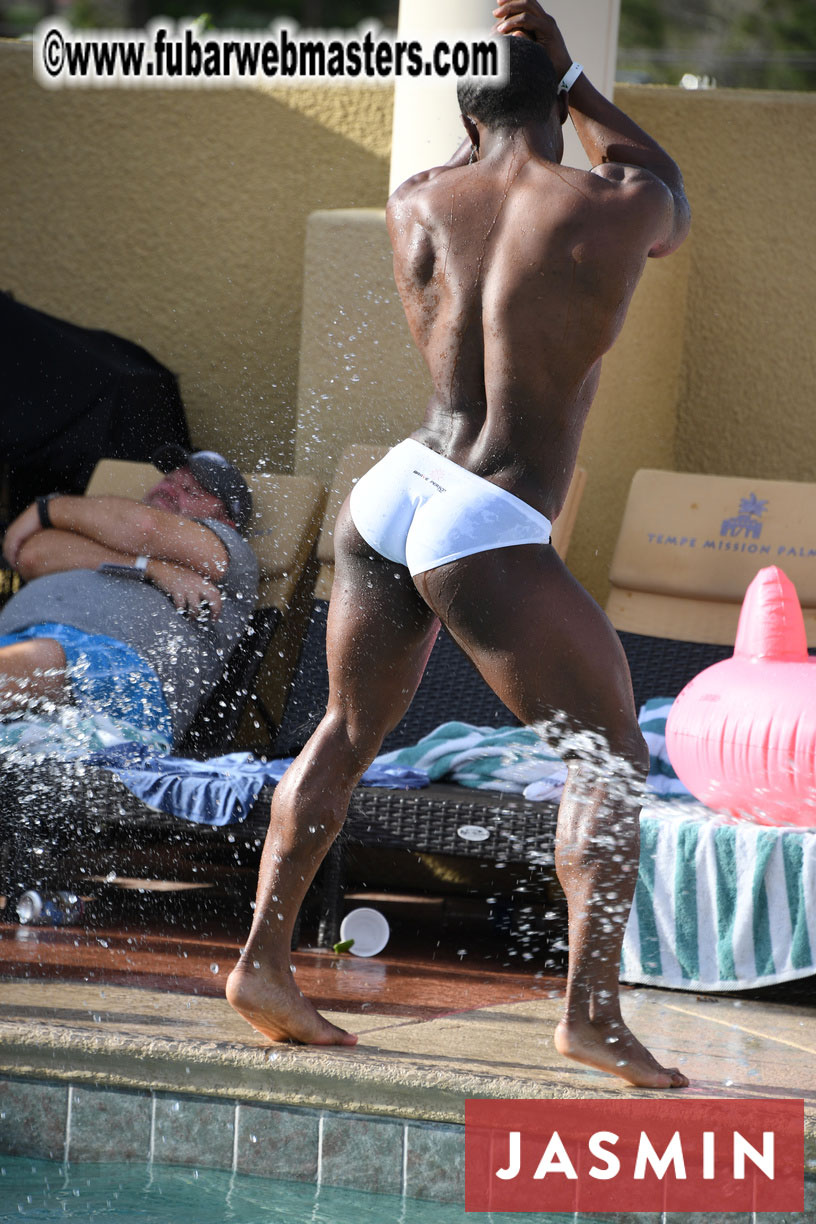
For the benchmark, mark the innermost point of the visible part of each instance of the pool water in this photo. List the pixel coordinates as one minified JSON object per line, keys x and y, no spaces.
{"x":168,"y":1194}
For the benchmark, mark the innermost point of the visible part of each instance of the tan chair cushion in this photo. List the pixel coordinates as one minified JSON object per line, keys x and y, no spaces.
{"x":287,"y":514}
{"x":355,"y":462}
{"x":690,"y":544}
{"x":120,"y":478}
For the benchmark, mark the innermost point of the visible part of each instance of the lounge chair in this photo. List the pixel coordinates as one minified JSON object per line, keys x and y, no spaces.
{"x":94,"y":809}
{"x":675,"y":605}
{"x":688,"y":547}
{"x":718,"y":906}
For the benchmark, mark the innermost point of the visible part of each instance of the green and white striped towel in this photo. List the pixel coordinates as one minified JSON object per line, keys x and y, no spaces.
{"x":485,"y":758}
{"x":718,"y":905}
{"x":516,"y":759}
{"x":721,"y":906}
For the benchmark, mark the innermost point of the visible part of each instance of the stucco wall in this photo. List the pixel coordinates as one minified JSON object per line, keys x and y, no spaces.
{"x":749,"y":365}
{"x":178,"y":219}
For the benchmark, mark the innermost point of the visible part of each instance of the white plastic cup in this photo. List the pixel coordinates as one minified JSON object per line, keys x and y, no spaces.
{"x":369,"y":930}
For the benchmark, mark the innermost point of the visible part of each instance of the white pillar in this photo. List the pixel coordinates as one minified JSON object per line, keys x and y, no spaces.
{"x":427,"y":127}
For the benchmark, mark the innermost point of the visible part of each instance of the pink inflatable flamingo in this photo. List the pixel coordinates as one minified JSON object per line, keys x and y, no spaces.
{"x":742,"y":735}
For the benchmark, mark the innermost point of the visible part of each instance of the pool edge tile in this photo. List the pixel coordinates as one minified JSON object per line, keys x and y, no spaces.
{"x":109,"y":1124}
{"x":277,"y":1142}
{"x":185,"y":1127}
{"x":435,"y":1163}
{"x":362,"y":1153}
{"x":33,"y":1117}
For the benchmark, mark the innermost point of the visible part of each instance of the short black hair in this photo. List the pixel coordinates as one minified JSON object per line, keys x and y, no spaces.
{"x":527,"y":93}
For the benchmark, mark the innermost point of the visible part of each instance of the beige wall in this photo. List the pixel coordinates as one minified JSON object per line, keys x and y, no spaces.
{"x":178,"y":219}
{"x":749,"y":366}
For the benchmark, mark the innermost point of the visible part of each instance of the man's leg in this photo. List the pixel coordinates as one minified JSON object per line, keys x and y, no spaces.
{"x":32,"y":671}
{"x":378,"y":639}
{"x":549,"y":652}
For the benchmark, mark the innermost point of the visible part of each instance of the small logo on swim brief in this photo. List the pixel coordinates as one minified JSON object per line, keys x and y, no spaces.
{"x":439,"y":488}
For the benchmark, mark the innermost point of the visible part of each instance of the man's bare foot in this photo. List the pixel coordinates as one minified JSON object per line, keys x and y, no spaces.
{"x":276,"y":1009}
{"x":612,"y":1047}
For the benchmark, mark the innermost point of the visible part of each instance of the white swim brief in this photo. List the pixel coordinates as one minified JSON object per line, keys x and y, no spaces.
{"x":422,"y":510}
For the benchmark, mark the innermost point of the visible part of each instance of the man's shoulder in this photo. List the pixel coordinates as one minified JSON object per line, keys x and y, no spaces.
{"x":407,"y":204}
{"x":643,"y":201}
{"x":617,"y":181}
{"x":417,"y":198}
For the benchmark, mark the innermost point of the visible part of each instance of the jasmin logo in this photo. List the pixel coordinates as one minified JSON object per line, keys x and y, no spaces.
{"x":650,"y":1155}
{"x":749,"y":520}
{"x":671,"y":1162}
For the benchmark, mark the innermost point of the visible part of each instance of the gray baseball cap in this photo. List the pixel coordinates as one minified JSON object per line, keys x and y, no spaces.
{"x":215,"y":474}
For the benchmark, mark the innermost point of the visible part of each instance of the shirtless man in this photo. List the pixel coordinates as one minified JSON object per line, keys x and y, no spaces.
{"x":515,"y":274}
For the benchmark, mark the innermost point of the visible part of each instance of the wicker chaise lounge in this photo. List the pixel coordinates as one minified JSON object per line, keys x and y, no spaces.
{"x":51,"y":809}
{"x":675,"y":600}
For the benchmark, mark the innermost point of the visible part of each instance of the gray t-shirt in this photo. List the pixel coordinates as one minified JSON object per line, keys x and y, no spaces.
{"x":188,"y":655}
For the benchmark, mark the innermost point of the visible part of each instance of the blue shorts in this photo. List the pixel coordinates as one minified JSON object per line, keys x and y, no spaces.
{"x":107,"y":677}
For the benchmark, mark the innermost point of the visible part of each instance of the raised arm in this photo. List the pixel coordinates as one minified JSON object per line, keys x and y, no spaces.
{"x":609,"y":137}
{"x":57,"y":552}
{"x":123,"y":527}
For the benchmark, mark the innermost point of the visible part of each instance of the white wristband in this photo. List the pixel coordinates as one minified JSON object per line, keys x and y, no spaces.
{"x":141,"y":565}
{"x":570,"y":77}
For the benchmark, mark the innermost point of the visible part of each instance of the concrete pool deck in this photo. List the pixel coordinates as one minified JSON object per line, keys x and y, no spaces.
{"x":94,"y":1071}
{"x":419,"y":1069}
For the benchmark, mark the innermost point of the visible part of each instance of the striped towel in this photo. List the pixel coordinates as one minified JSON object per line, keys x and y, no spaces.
{"x":485,"y":758}
{"x":718,"y":905}
{"x":721,"y":906}
{"x":516,"y":759}
{"x":69,"y":732}
{"x":662,"y":779}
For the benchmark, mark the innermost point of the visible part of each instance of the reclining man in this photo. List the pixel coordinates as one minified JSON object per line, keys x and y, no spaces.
{"x":143,"y":654}
{"x":515,"y":273}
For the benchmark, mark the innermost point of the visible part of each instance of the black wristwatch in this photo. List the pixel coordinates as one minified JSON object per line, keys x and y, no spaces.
{"x":137,"y":571}
{"x":43,"y":512}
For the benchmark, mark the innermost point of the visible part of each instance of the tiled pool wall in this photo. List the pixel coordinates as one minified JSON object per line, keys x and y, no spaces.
{"x":421,"y":1160}
{"x":66,"y":1122}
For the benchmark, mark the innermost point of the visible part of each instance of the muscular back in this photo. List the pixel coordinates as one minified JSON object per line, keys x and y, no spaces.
{"x":516,"y":274}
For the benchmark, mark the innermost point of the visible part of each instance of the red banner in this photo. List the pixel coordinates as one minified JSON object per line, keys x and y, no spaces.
{"x":682,"y":1154}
